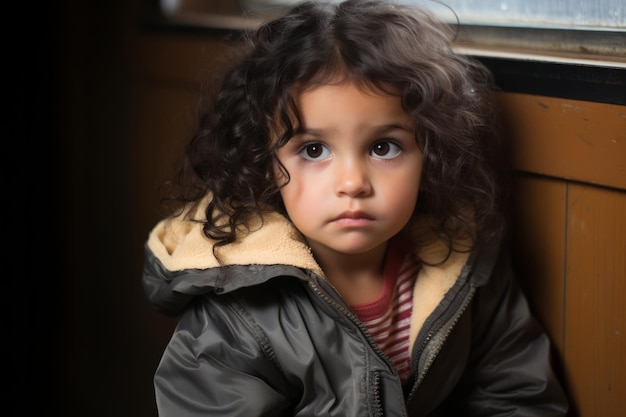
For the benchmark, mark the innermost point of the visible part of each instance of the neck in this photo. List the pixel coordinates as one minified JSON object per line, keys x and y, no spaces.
{"x":357,"y":277}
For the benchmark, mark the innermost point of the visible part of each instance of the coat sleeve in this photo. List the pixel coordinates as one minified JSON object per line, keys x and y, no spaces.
{"x":206,"y":370}
{"x":511,"y":372}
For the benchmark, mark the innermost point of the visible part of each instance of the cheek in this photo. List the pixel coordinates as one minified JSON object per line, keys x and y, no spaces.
{"x":402,"y":196}
{"x":299,"y":200}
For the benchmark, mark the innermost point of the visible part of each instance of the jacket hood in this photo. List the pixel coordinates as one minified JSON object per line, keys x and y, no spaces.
{"x":182,"y":262}
{"x":179,"y":244}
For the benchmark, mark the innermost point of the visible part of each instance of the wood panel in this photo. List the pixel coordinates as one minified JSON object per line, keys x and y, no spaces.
{"x":595,"y":353}
{"x":565,"y":138}
{"x":538,"y":229}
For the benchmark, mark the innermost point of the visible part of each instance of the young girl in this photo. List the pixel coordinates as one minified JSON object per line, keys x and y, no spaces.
{"x":336,"y":252}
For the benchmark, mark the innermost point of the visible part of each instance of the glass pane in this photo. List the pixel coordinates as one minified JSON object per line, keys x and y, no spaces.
{"x":552,"y":14}
{"x":566,"y":14}
{"x":590,"y":27}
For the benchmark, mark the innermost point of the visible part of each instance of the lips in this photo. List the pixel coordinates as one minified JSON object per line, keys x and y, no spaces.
{"x":353,"y":218}
{"x":354,"y":215}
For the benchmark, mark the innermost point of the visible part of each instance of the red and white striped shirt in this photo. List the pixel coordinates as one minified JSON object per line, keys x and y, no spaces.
{"x":388,"y":318}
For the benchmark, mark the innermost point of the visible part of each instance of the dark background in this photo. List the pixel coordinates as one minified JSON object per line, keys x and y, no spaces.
{"x":83,"y":339}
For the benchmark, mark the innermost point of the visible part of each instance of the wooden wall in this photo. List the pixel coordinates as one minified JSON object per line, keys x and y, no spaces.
{"x":128,"y":100}
{"x":570,"y":228}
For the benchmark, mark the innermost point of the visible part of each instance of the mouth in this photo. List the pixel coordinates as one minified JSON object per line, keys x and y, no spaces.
{"x":353,"y":218}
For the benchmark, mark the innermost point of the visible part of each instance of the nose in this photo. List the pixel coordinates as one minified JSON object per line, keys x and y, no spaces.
{"x":352,"y":179}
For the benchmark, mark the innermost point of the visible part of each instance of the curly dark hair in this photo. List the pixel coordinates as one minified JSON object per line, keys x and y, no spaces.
{"x":395,"y":49}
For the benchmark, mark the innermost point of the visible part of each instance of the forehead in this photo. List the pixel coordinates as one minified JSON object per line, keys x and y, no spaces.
{"x":342,"y":102}
{"x":329,"y":98}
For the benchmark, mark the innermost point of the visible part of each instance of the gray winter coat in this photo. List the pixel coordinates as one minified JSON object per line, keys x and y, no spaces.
{"x":262,"y":333}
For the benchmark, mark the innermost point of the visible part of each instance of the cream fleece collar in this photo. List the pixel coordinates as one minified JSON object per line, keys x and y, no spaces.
{"x":180,"y":243}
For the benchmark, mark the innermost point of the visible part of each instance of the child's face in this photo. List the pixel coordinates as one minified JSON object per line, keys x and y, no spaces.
{"x":354,"y":169}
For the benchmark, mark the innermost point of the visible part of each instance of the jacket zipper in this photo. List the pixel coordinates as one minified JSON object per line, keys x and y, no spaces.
{"x":377,"y":405}
{"x":448,"y":324}
{"x":354,"y":319}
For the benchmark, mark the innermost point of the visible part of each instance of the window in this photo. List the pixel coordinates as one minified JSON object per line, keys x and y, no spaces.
{"x":567,"y":48}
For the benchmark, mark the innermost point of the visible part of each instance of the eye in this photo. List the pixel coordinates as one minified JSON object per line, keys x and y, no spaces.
{"x":385,"y":150}
{"x":314,"y":152}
